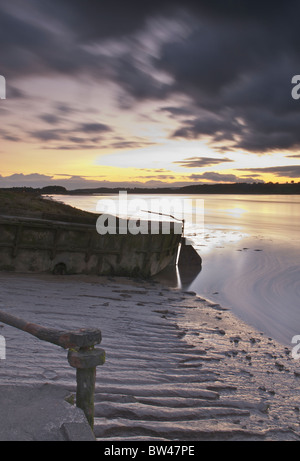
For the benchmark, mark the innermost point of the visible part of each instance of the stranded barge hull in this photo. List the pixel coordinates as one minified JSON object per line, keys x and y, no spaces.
{"x":61,"y":247}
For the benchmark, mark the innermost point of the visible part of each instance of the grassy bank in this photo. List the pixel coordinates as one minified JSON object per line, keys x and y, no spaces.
{"x":21,"y":203}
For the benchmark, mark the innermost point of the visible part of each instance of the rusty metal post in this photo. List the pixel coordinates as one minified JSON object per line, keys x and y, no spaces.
{"x":81,"y":355}
{"x":85,"y":360}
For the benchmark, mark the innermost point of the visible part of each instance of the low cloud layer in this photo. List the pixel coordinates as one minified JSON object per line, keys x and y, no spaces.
{"x":201,"y":162}
{"x":71,"y":182}
{"x":290,"y":171}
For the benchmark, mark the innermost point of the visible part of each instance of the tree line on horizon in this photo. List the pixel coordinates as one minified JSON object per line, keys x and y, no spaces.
{"x":233,"y":188}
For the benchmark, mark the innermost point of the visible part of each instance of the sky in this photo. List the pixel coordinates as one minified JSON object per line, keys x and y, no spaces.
{"x":148,"y":94}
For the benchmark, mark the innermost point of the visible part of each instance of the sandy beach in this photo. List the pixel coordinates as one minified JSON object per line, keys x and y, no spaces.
{"x":177,"y":366}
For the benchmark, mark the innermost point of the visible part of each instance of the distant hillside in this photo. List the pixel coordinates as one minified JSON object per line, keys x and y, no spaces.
{"x":236,"y":188}
{"x":243,"y":188}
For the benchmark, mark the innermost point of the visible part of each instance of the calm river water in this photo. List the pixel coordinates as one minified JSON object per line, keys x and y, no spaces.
{"x":250,"y":247}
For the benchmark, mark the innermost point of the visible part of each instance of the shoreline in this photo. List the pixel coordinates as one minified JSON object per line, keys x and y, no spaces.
{"x":258,"y":280}
{"x":178,"y":367}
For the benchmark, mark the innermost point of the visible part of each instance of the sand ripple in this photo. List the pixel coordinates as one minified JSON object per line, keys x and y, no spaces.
{"x":177,"y":366}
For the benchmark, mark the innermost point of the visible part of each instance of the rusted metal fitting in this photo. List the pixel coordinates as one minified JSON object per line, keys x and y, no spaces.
{"x":86,"y":358}
{"x":83,"y":337}
{"x":81,"y":355}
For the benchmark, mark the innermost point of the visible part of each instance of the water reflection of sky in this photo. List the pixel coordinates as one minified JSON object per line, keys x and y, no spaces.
{"x":277,"y":216}
{"x":220,"y":219}
{"x":250,"y":251}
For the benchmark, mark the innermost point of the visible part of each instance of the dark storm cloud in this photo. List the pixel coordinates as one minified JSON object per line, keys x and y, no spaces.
{"x":65,"y":109}
{"x":103,"y":19}
{"x":241,"y":70}
{"x":286,"y":171}
{"x":294,"y":156}
{"x":29,"y":47}
{"x":12,"y":138}
{"x":200,"y":162}
{"x":50,"y":118}
{"x":8,"y":136}
{"x":132,"y":144}
{"x":14,"y":93}
{"x":55,"y":45}
{"x":139,"y":83}
{"x":218,"y":128}
{"x":93,"y":127}
{"x":48,"y":135}
{"x":235,"y":61}
{"x":218,"y":177}
{"x":65,"y":136}
{"x":116,"y":18}
{"x":176,"y":111}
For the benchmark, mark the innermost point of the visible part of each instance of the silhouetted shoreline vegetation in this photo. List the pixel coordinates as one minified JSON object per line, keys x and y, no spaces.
{"x":236,"y":188}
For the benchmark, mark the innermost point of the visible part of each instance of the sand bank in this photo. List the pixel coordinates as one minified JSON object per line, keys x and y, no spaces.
{"x":177,"y":367}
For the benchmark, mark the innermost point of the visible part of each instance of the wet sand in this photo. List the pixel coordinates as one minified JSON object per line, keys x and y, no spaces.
{"x":177,"y":366}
